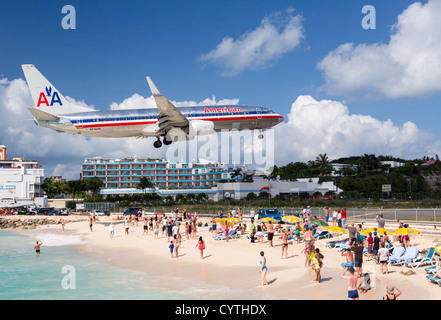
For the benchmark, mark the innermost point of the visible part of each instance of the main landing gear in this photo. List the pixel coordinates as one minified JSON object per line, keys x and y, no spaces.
{"x":158,"y":144}
{"x":260,"y":136}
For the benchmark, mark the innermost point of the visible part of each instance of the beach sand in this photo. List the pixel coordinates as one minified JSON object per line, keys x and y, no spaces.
{"x":233,"y":267}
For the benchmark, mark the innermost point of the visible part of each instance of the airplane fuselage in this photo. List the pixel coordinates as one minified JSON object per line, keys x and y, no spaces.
{"x":131,"y":122}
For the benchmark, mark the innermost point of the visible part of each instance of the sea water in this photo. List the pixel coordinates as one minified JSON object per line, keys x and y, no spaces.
{"x":63,"y":272}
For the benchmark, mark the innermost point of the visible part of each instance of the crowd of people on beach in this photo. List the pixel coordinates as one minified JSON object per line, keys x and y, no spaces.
{"x":180,"y":223}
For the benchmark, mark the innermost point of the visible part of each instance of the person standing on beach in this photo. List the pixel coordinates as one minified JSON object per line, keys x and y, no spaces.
{"x":63,"y":223}
{"x":357,"y":248}
{"x":90,"y":223}
{"x":370,"y":242}
{"x":326,"y":210}
{"x":270,"y":233}
{"x":176,"y":245}
{"x":126,"y":226}
{"x":112,"y":229}
{"x":349,"y":259}
{"x":376,"y":246}
{"x":334,"y":217}
{"x":352,"y":283}
{"x":263,"y":268}
{"x":171,"y":247}
{"x":37,"y":247}
{"x":380,"y":221}
{"x":317,"y":264}
{"x":285,"y":243}
{"x":343,"y":218}
{"x":383,"y":258}
{"x":252,"y":231}
{"x":352,"y":233}
{"x":201,"y":246}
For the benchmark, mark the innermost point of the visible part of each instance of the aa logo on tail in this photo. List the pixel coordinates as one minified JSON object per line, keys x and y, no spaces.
{"x":49,"y":95}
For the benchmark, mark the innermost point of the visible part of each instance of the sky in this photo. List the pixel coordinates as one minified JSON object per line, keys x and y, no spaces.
{"x":343,"y":89}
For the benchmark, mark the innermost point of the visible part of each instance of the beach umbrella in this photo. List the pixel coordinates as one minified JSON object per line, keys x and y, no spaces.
{"x":267,"y":219}
{"x":319,"y":222}
{"x":292,"y":219}
{"x":233,"y":220}
{"x":438,"y":248}
{"x":335,"y":229}
{"x":379,"y":231}
{"x":403,"y":231}
{"x":219,"y":220}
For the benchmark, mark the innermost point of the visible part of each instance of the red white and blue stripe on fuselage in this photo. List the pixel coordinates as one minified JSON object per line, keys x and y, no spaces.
{"x":223,"y":117}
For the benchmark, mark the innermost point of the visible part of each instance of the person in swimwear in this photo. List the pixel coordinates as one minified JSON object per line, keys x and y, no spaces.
{"x":285,"y":236}
{"x":201,"y":247}
{"x":263,"y":268}
{"x":37,"y":247}
{"x":352,"y":283}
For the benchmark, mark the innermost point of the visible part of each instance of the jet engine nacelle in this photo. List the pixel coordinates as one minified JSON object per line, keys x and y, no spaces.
{"x":199,"y":128}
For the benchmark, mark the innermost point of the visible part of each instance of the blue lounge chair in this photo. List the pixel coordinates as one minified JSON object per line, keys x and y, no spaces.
{"x":432,"y":269}
{"x":409,"y":256}
{"x":396,"y":255}
{"x":232,"y":233}
{"x":433,"y":278}
{"x":323,"y":234}
{"x":428,"y":259}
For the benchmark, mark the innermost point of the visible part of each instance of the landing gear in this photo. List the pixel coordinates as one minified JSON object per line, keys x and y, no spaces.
{"x":157,"y":144}
{"x":166,"y":142}
{"x":260,"y":136}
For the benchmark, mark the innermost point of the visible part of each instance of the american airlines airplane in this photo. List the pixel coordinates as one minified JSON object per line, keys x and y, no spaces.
{"x":168,"y":122}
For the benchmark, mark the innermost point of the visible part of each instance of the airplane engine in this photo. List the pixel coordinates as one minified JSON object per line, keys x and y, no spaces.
{"x":199,"y":128}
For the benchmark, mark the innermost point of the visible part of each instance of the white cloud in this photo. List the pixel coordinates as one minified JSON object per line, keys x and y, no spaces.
{"x":137,"y":101}
{"x":278,"y":34}
{"x":408,"y":66}
{"x":326,"y":126}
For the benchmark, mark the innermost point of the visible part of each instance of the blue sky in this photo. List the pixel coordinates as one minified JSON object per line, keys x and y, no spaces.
{"x":117,"y":43}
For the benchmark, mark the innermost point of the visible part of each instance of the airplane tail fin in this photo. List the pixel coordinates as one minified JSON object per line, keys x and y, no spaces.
{"x":45,"y":96}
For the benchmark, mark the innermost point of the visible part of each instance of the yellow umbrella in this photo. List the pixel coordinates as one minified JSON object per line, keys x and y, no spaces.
{"x":335,"y":229}
{"x":378,"y":230}
{"x":219,"y":220}
{"x":292,"y":219}
{"x":233,"y":220}
{"x":403,"y":231}
{"x":267,"y":219}
{"x":438,"y":248}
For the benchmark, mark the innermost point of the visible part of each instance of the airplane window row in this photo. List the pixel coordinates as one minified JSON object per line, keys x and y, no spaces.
{"x":188,"y":115}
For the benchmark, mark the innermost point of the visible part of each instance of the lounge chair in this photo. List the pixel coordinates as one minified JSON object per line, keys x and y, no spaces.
{"x":232,"y":234}
{"x":396,"y":254}
{"x":323,"y":234}
{"x":342,"y":245}
{"x":432,"y":269}
{"x":409,"y":256}
{"x":434,"y":279}
{"x":428,"y":259}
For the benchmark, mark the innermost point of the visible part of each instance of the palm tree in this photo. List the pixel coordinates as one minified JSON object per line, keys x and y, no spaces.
{"x":322,"y":160}
{"x":144,"y":183}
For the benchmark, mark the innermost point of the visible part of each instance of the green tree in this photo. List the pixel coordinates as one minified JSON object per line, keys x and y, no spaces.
{"x":144,"y":183}
{"x":94,"y":185}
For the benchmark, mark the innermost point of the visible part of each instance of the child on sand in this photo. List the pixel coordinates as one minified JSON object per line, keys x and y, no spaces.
{"x":171,"y":247}
{"x":201,"y":247}
{"x":317,"y":264}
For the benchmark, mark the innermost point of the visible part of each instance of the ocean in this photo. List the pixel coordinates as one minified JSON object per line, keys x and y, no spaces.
{"x":64,"y":271}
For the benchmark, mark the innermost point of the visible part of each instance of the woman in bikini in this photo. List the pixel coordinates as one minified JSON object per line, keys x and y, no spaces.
{"x":285,"y":243}
{"x":263,"y":268}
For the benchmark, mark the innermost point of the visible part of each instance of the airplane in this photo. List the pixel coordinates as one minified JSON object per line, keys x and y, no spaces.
{"x":52,"y":110}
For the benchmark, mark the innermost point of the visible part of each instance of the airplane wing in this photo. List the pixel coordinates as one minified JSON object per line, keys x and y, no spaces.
{"x":169,"y":116}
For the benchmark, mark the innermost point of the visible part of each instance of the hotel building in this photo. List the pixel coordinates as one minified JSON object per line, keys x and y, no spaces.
{"x":126,"y":173}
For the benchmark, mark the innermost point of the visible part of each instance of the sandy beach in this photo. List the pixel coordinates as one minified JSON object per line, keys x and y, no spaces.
{"x":233,"y":266}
